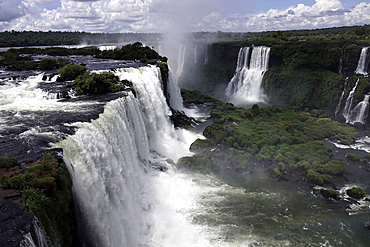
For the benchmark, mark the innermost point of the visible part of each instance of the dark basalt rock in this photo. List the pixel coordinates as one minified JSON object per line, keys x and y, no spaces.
{"x":367,"y":225}
{"x":15,"y":221}
{"x":359,"y":125}
{"x":179,"y":119}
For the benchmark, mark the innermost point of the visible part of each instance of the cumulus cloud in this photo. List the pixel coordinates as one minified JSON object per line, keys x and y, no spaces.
{"x":10,"y":10}
{"x":324,"y":13}
{"x":173,"y":15}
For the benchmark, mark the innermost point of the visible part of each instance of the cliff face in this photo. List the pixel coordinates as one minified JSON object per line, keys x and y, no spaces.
{"x":312,"y":74}
{"x":307,"y":74}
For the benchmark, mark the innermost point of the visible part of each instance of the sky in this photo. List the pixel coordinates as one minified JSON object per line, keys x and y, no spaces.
{"x":180,"y":15}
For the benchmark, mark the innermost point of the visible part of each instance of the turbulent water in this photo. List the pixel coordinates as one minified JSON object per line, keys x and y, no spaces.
{"x":128,"y":191}
{"x":245,"y":86}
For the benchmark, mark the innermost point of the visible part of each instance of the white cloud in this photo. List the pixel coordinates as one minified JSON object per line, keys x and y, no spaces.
{"x":324,"y":13}
{"x":10,"y":10}
{"x":173,"y":15}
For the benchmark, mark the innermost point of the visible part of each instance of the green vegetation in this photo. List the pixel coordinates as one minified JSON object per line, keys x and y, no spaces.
{"x":351,"y":33}
{"x":48,"y":64}
{"x":71,"y":72}
{"x":47,"y":189}
{"x":353,"y":157}
{"x":93,"y":83}
{"x":136,"y":51}
{"x":329,"y":193}
{"x":50,"y":38}
{"x":305,"y":74}
{"x":201,"y":144}
{"x":356,"y":192}
{"x":8,"y":162}
{"x":14,"y":61}
{"x":21,"y":59}
{"x":288,"y":141}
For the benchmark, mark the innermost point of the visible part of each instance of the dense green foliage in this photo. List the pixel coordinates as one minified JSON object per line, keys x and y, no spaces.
{"x":288,"y":141}
{"x":93,"y":83}
{"x":350,"y":33}
{"x":356,"y":192}
{"x":47,"y":189}
{"x":71,"y":72}
{"x":39,"y":38}
{"x":306,"y":74}
{"x":8,"y":162}
{"x":353,"y":157}
{"x":329,"y":193}
{"x":136,"y":51}
{"x":15,"y":59}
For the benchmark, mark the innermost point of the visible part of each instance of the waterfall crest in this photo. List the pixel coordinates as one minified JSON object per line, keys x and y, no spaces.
{"x":363,"y":62}
{"x":245,"y":86}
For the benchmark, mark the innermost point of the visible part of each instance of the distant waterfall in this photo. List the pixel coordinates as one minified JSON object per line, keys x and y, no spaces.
{"x":180,"y":60}
{"x":118,"y":196}
{"x":245,"y":86}
{"x":348,"y":106}
{"x":206,"y":59}
{"x":340,"y":68}
{"x":360,"y":112}
{"x":363,"y":62}
{"x":341,"y":97}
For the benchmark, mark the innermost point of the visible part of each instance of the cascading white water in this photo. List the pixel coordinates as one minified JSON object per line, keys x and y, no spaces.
{"x":155,"y":110}
{"x":245,"y":86}
{"x":363,"y":62}
{"x":237,"y":79}
{"x":180,"y":60}
{"x":360,"y":112}
{"x":347,"y":108}
{"x":206,"y":59}
{"x":42,"y":240}
{"x":341,"y":97}
{"x":119,"y":197}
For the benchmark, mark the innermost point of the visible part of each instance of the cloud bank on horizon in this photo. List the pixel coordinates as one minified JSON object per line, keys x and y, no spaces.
{"x":174,"y":15}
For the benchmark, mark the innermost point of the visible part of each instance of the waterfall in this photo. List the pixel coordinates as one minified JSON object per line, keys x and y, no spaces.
{"x":180,"y":60}
{"x":40,"y":240}
{"x":340,"y":68}
{"x":245,"y":86}
{"x":119,"y":197}
{"x":347,"y":107}
{"x":176,"y":101}
{"x":341,"y":97}
{"x":206,"y":59}
{"x":360,"y":112}
{"x":363,"y":62}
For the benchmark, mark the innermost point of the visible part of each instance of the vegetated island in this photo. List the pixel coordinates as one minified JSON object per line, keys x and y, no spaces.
{"x":289,"y":145}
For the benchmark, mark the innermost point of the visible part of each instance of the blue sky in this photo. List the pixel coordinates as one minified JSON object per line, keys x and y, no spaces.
{"x":179,"y":15}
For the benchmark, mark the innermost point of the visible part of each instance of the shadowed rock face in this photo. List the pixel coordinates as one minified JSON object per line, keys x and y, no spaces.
{"x":14,"y":222}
